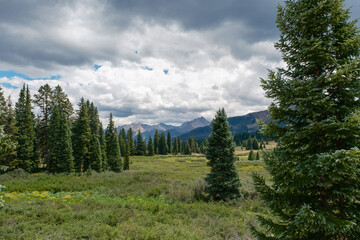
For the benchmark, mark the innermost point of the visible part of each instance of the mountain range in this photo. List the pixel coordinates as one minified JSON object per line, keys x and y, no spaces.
{"x":200,"y":127}
{"x":239,"y":124}
{"x":149,"y":130}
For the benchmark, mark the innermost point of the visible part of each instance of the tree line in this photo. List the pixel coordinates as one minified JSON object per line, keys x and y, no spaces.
{"x":60,"y":139}
{"x":161,"y":144}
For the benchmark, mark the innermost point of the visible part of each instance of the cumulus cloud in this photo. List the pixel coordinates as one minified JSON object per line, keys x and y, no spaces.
{"x":164,"y":61}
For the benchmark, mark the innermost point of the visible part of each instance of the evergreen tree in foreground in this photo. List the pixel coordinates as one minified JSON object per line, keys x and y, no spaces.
{"x":315,"y":118}
{"x":223,"y":179}
{"x":113,"y":150}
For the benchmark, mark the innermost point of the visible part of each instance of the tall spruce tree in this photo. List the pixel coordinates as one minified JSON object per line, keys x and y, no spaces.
{"x":163,"y":149}
{"x":127,"y":157}
{"x":59,"y":158}
{"x":6,"y":146}
{"x":44,"y":101}
{"x":140,"y":150}
{"x":315,"y":118}
{"x":62,"y":101}
{"x":223,"y":179}
{"x":175,"y":146}
{"x":3,"y":108}
{"x":102,"y":141}
{"x":82,"y":138}
{"x":130,"y":139}
{"x":95,"y":146}
{"x":191,"y":143}
{"x":169,"y":142}
{"x":9,"y":157}
{"x":114,"y":159}
{"x":251,"y":155}
{"x":156,"y":141}
{"x":122,"y":143}
{"x":179,"y":145}
{"x":151,"y":151}
{"x":26,"y":134}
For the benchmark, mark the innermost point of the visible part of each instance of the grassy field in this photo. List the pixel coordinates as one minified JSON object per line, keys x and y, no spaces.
{"x":156,"y":199}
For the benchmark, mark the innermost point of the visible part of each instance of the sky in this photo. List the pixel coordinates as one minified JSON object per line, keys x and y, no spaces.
{"x":145,"y":61}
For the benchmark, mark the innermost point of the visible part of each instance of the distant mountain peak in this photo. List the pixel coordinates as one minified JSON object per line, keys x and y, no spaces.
{"x":238,"y":124}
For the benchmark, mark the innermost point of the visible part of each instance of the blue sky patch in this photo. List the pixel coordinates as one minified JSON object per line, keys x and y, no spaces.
{"x":96,"y":67}
{"x":11,"y":74}
{"x":147,"y":68}
{"x":166,"y":71}
{"x":8,"y":85}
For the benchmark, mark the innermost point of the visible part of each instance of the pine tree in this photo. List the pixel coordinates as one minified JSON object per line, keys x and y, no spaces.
{"x":255,"y":144}
{"x":59,"y":158}
{"x":3,"y":108}
{"x":44,"y":101}
{"x":95,"y":146}
{"x":62,"y":101}
{"x":151,"y":147}
{"x":257,"y":156}
{"x":26,"y":134}
{"x":130,"y":139}
{"x":82,"y":138}
{"x":249,"y":144}
{"x":191,"y":144}
{"x":251,"y":155}
{"x":315,"y":169}
{"x":122,"y":137}
{"x":8,"y":158}
{"x":186,"y":147}
{"x":6,"y":147}
{"x":179,"y":145}
{"x":169,"y":142}
{"x":196,"y":147}
{"x":144,"y":147}
{"x":223,"y":180}
{"x":102,"y":142}
{"x":156,"y":141}
{"x":162,"y":144}
{"x":113,"y":150}
{"x":175,"y":146}
{"x":140,"y":145}
{"x":127,"y":157}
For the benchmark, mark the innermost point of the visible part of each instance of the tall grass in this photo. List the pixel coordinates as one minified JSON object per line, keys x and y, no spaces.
{"x":160,"y":197}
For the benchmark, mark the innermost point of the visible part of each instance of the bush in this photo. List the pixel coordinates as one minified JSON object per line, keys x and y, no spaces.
{"x":198,"y":188}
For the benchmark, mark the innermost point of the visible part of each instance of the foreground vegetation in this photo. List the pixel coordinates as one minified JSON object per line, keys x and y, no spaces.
{"x":156,"y":199}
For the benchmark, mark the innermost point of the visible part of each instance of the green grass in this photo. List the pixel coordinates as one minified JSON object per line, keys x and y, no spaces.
{"x":153,"y":200}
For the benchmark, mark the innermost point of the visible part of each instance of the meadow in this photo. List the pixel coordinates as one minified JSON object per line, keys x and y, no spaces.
{"x":160,"y":197}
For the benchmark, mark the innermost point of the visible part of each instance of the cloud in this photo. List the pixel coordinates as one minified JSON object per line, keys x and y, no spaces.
{"x":151,"y":62}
